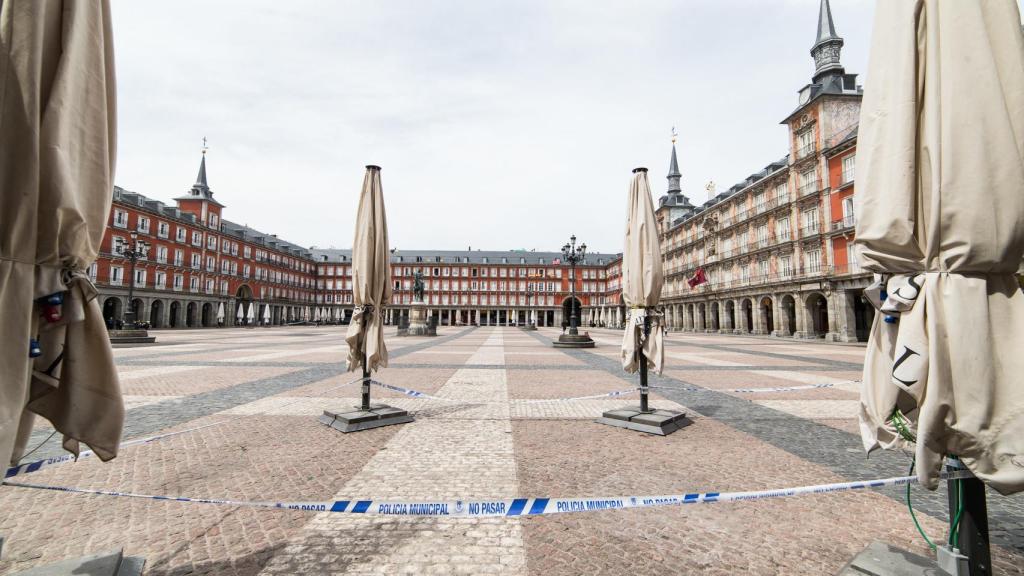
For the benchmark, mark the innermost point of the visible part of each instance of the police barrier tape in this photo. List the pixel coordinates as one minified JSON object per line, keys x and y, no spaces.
{"x":417,"y":394}
{"x":757,"y":390}
{"x":517,"y":506}
{"x":37,"y":465}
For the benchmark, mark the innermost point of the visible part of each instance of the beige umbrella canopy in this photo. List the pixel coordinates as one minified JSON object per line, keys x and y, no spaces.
{"x":371,"y":277}
{"x":56,"y":175}
{"x":941,"y":214}
{"x":642,"y":278}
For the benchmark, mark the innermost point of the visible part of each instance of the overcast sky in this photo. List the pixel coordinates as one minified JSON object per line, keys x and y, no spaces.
{"x":499,"y":125}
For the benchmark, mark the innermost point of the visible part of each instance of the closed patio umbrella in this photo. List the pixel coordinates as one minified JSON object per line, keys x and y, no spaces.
{"x":316,"y":314}
{"x":266,"y":313}
{"x":371,"y":290}
{"x":940,"y":214}
{"x":240,"y":312}
{"x":251,"y":317}
{"x":56,"y":176}
{"x":220,"y":313}
{"x":643,"y":341}
{"x":642,"y":279}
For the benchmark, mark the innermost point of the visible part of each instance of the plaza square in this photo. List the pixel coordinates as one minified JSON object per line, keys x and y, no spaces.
{"x":263,"y":389}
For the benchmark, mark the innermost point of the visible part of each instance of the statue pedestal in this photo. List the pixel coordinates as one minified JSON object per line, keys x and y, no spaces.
{"x":418,"y":321}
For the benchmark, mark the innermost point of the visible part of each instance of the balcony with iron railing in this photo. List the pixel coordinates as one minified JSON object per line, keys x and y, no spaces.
{"x":812,"y":229}
{"x":808,"y":188}
{"x":806,"y":150}
{"x":844,"y":223}
{"x":847,"y":177}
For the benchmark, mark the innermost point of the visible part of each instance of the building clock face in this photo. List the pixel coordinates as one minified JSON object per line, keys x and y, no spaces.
{"x":804,"y":96}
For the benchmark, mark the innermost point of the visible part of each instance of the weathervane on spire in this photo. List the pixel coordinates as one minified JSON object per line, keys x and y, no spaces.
{"x":674,"y":134}
{"x":205,"y":147}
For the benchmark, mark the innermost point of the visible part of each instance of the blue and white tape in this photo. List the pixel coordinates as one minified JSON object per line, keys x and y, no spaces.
{"x":37,"y":465}
{"x":757,"y":390}
{"x":417,"y":394}
{"x":30,"y":467}
{"x":516,"y":506}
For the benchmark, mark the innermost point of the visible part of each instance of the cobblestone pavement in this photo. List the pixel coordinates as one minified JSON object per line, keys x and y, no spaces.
{"x":262,"y":389}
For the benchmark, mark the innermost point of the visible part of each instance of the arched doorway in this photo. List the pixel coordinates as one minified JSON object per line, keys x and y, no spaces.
{"x":730,"y":314}
{"x":571,"y":306}
{"x":768,"y":314}
{"x":190,"y":315}
{"x":817,"y":314}
{"x":175,"y":316}
{"x":691,"y":317}
{"x":209,"y":316}
{"x":111,"y":310}
{"x":702,"y":317}
{"x":713,"y":324}
{"x":243,"y":298}
{"x":137,"y":307}
{"x":747,"y":310}
{"x":156,"y":313}
{"x":789,"y":313}
{"x":863,"y":314}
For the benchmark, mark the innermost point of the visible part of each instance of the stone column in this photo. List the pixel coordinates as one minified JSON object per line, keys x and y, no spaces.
{"x":842,"y":320}
{"x":801,"y":317}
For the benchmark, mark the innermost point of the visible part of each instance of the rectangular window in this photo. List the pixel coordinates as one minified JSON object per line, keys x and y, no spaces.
{"x":179,"y":234}
{"x":163,"y":229}
{"x":193,"y":284}
{"x":782,"y":229}
{"x":810,"y":221}
{"x":179,"y":282}
{"x":849,"y":168}
{"x":120,"y":218}
{"x":160,"y":280}
{"x":812,"y":261}
{"x":116,"y":275}
{"x":143,"y":224}
{"x":785,"y":266}
{"x":808,"y":182}
{"x":179,"y":257}
{"x":782,"y":192}
{"x":197,"y":238}
{"x":195,"y":261}
{"x":211,"y":242}
{"x":140,"y":278}
{"x":161,"y":254}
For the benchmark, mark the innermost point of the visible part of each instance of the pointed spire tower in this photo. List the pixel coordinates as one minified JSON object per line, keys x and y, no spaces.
{"x":199,"y":199}
{"x":827,"y":46}
{"x":673,"y":170}
{"x":677,"y":204}
{"x":202,"y":187}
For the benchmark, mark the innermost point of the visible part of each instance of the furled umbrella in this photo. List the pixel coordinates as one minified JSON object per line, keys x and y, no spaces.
{"x":316,"y":314}
{"x":940,"y":220}
{"x":220,"y":313}
{"x":58,"y":137}
{"x":266,"y":313}
{"x":642,"y":278}
{"x":240,"y":313}
{"x":251,"y":316}
{"x":371,"y":283}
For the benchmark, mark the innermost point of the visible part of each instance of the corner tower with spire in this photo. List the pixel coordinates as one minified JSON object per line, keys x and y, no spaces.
{"x":673,"y":205}
{"x":829,"y":107}
{"x":199,"y":199}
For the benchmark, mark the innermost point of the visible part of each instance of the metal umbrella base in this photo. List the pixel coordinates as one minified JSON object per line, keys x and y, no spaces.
{"x":357,"y":418}
{"x":660,"y":422}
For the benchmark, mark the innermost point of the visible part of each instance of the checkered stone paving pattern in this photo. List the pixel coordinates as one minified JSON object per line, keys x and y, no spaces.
{"x":495,"y":428}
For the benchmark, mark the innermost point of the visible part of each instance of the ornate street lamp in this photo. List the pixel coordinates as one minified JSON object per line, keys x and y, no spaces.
{"x":530,"y":289}
{"x":573,"y":255}
{"x":137,"y":249}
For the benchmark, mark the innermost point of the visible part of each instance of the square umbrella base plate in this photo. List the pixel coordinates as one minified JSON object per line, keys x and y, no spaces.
{"x":356,"y":419}
{"x":882,"y":559}
{"x":660,"y":422}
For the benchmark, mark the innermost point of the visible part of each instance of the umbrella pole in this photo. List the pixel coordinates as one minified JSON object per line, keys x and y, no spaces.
{"x":972,"y":532}
{"x":366,"y":384}
{"x":643,"y":366}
